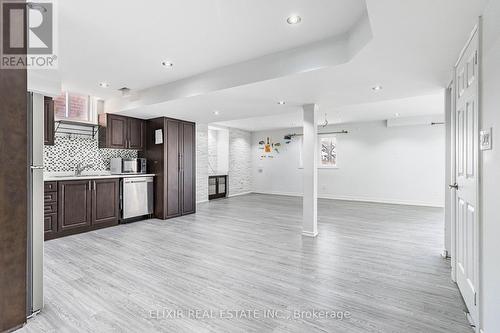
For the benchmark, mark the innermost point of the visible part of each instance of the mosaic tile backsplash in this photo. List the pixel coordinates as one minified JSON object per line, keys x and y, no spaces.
{"x":67,"y":152}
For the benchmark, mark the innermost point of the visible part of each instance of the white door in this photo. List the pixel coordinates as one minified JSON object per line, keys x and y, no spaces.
{"x":466,"y":158}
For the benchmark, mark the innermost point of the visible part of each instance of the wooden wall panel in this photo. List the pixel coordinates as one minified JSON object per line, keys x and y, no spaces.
{"x":13,"y":197}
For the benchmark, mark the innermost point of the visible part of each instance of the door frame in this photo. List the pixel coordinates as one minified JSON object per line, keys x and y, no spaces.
{"x":476,"y":30}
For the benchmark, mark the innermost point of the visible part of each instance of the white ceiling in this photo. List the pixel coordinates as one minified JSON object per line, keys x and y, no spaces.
{"x":414,"y":46}
{"x":124,"y":42}
{"x":395,"y":108}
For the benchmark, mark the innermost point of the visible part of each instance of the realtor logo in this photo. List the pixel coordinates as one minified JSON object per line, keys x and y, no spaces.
{"x":27,"y":33}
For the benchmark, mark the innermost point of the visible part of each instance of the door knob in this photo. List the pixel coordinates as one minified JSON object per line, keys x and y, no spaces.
{"x":453,"y":187}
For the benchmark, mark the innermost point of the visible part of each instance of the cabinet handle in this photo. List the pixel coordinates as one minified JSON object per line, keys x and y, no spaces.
{"x":90,"y":185}
{"x":94,"y":186}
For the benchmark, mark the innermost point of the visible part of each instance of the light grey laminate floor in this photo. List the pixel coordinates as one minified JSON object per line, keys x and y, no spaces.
{"x":245,"y":256}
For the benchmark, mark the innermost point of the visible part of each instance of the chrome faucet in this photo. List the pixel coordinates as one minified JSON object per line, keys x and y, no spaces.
{"x":79,"y":168}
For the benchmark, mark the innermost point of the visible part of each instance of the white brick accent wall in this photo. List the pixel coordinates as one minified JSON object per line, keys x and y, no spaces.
{"x":240,"y":161}
{"x":201,"y":162}
{"x":212,"y":151}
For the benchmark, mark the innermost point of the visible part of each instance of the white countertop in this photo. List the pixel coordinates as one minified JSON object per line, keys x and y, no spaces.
{"x":57,"y":176}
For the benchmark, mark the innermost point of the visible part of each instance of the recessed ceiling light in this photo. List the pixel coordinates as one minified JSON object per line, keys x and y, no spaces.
{"x":376,"y":88}
{"x":397,"y":114}
{"x":216,"y":113}
{"x":167,"y":64}
{"x":103,"y":84}
{"x":281,"y":102}
{"x":294,"y":19}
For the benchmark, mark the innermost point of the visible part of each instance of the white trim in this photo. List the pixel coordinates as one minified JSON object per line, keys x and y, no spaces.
{"x":382,"y":201}
{"x":287,"y":194}
{"x":309,"y":234}
{"x":469,"y":40}
{"x":201,"y":201}
{"x":238,"y":194}
{"x":359,"y":199}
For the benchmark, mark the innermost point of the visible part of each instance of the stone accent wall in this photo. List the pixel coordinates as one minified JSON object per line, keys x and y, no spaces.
{"x":201,"y":162}
{"x":212,"y":152}
{"x":240,"y":161}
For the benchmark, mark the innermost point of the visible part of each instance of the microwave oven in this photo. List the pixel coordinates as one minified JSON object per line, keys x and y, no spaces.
{"x":121,"y":166}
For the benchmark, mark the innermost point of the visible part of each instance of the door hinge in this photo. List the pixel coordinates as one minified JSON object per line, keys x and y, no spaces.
{"x":476,"y":60}
{"x":475,"y":299}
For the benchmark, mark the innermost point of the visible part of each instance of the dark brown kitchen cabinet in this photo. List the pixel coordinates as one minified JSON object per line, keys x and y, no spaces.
{"x":105,"y":202}
{"x":76,"y":206}
{"x":173,"y":163}
{"x":188,"y":171}
{"x":135,"y":136}
{"x":48,"y":119}
{"x":121,"y":132}
{"x":75,"y":210}
{"x":50,"y":210}
{"x":173,"y":174}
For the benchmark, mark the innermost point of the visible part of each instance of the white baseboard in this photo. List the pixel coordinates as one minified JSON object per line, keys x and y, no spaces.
{"x":383,"y":201}
{"x":360,"y":199}
{"x":309,"y":233}
{"x":232,"y":195}
{"x":238,"y":194}
{"x":288,"y":194}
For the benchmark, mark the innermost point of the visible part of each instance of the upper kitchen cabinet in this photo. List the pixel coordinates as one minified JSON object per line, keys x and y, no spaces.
{"x":121,"y":132}
{"x":48,"y":119}
{"x":135,"y":133}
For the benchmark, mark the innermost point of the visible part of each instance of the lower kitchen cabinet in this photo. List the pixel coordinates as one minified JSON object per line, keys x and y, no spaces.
{"x":74,"y":205}
{"x":50,"y":210}
{"x":81,"y":205}
{"x":50,"y":225}
{"x":105,"y":202}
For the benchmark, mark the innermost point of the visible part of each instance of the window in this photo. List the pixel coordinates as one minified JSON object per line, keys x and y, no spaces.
{"x":75,"y":107}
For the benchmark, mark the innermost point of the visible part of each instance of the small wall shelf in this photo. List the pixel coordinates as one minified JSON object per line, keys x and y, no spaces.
{"x":76,"y":128}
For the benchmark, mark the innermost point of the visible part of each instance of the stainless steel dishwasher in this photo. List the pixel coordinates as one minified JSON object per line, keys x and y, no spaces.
{"x":137,"y":197}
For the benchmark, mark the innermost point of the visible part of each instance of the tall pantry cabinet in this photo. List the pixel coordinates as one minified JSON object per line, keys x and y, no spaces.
{"x":172,"y":159}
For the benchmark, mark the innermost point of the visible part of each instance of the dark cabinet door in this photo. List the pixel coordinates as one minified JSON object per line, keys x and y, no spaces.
{"x":74,"y":205}
{"x":50,"y":225}
{"x":48,"y":120}
{"x":188,"y":168}
{"x":173,"y":157}
{"x":116,"y":131}
{"x":135,"y":134}
{"x":105,"y":202}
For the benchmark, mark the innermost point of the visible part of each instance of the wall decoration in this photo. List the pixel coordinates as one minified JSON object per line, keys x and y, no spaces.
{"x":485,"y":139}
{"x":269,"y":148}
{"x":158,"y":136}
{"x":327,"y":152}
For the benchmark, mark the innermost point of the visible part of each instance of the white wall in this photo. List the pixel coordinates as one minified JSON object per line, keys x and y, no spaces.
{"x":231,"y":147}
{"x":212,"y":151}
{"x":218,"y":151}
{"x":223,"y":152}
{"x":396,"y":165}
{"x":240,"y":162}
{"x":201,"y":162}
{"x":490,"y":186}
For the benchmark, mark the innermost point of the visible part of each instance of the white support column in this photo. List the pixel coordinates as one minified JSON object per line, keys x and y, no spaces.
{"x":310,"y":171}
